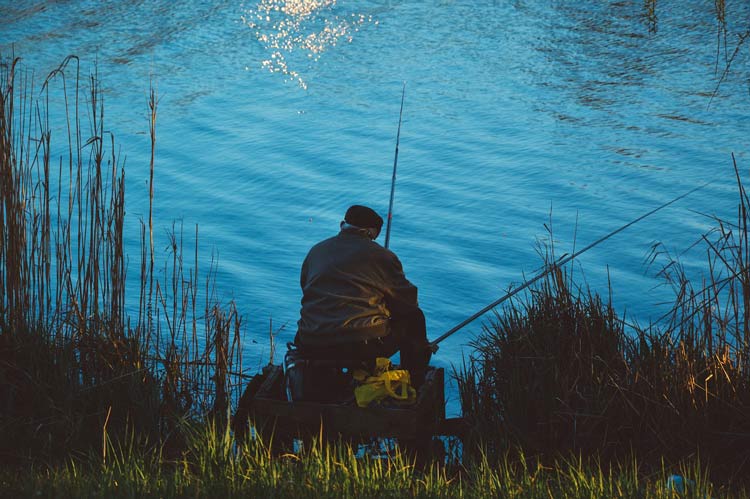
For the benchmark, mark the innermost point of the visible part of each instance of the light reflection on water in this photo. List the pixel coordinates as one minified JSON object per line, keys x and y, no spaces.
{"x":513,"y":109}
{"x":309,"y":26}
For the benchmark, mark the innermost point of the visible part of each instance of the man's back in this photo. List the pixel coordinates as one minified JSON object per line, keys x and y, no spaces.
{"x":349,"y":286}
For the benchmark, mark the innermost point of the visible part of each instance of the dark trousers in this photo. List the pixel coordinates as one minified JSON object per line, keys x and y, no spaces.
{"x":408,"y":334}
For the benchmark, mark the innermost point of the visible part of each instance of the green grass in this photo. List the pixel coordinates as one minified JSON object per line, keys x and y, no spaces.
{"x":213,"y":466}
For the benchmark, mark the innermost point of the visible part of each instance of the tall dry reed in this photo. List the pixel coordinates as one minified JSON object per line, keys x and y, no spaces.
{"x":558,"y":372}
{"x":73,"y":365}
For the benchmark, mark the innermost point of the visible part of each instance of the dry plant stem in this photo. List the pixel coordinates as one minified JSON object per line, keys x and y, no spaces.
{"x":557,"y":372}
{"x":71,"y":361}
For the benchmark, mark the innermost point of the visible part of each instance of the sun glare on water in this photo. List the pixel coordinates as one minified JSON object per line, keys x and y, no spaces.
{"x":309,"y":27}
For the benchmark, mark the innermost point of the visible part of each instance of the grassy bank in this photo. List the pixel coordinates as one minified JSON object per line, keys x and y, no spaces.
{"x":73,"y":364}
{"x":559,"y":373}
{"x":563,"y":398}
{"x":213,"y":466}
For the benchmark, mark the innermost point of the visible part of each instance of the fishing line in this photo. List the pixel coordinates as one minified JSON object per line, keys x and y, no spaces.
{"x":553,"y":266}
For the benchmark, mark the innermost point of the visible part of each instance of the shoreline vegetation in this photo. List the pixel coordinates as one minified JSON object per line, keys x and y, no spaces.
{"x":70,"y":358}
{"x":562,"y":397}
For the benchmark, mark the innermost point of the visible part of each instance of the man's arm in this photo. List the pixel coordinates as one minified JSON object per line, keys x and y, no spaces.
{"x":400,"y":293}
{"x":303,"y":273}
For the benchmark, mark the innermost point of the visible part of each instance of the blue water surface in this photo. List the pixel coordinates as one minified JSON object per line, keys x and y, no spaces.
{"x":275,"y":116}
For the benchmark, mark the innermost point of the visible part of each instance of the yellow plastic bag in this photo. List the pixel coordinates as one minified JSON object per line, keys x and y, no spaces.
{"x":383,"y":383}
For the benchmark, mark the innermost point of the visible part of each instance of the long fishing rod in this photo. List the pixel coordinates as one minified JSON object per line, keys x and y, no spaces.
{"x":395,"y":163}
{"x":559,"y":263}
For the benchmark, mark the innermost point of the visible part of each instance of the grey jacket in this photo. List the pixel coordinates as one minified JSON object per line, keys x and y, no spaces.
{"x":351,"y":286}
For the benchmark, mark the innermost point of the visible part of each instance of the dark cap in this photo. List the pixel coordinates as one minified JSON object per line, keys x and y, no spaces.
{"x":364,"y":217}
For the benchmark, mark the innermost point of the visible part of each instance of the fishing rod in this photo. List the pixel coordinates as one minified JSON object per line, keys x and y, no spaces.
{"x":395,"y":163}
{"x":562,"y":261}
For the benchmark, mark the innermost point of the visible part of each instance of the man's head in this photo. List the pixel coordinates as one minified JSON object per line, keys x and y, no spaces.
{"x":364,"y":218}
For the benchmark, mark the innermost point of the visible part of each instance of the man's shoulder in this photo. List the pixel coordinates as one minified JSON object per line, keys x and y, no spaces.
{"x":324,"y":243}
{"x":328,"y":240}
{"x":362,"y":244}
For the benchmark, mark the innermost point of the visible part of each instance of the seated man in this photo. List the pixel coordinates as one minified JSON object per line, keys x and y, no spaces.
{"x":357,"y":303}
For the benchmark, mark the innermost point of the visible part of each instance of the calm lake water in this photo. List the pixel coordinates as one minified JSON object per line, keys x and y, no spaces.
{"x":275,"y":116}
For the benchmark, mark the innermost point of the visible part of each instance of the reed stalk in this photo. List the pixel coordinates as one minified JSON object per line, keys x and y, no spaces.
{"x":558,"y":372}
{"x":72,"y":364}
